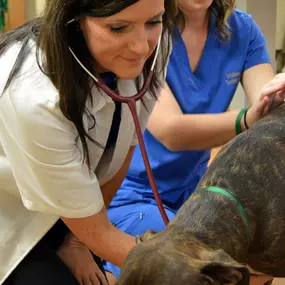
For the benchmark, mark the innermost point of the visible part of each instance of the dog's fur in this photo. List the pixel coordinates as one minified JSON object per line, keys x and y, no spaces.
{"x":209,"y":241}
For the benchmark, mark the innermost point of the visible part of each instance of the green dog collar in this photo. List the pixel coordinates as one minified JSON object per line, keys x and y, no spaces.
{"x":230,"y":196}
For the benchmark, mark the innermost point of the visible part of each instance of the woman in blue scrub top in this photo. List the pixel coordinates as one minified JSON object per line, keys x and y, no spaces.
{"x":208,"y":62}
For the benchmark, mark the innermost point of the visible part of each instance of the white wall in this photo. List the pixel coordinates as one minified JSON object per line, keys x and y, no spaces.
{"x":40,"y":4}
{"x":30,"y":9}
{"x":264,"y":12}
{"x":241,"y":4}
{"x":33,"y":8}
{"x":280,"y":36}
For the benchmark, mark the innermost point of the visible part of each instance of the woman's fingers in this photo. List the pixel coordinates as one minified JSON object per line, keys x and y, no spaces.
{"x":272,"y":95}
{"x":262,"y":106}
{"x":102,"y":278}
{"x":269,"y":103}
{"x":276,"y":99}
{"x":94,"y":279}
{"x":86,"y":281}
{"x":274,"y":86}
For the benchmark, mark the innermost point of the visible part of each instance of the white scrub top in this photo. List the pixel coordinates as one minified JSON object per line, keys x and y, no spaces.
{"x":42,"y":175}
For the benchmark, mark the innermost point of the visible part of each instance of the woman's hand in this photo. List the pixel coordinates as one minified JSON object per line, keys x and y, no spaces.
{"x":272,"y":95}
{"x":78,"y":258}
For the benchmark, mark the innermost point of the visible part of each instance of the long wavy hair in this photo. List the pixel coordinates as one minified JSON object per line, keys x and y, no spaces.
{"x":221,"y":10}
{"x":54,"y":59}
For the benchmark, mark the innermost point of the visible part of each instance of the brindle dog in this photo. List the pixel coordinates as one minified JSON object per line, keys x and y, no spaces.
{"x":216,"y":237}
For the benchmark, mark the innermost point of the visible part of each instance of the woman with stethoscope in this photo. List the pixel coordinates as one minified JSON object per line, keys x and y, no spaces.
{"x":66,"y":144}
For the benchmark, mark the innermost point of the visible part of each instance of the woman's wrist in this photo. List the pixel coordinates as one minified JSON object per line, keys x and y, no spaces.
{"x":121,"y":245}
{"x":241,"y":123}
{"x":101,"y":237}
{"x":245,"y":125}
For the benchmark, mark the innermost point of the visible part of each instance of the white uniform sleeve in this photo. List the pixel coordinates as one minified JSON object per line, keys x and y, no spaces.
{"x":40,"y":144}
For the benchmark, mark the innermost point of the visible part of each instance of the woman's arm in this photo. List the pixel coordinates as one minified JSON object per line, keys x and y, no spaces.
{"x":254,"y":79}
{"x":101,"y":237}
{"x":188,"y":132}
{"x":75,"y":254}
{"x":178,"y":131}
{"x":96,"y":232}
{"x":47,"y":164}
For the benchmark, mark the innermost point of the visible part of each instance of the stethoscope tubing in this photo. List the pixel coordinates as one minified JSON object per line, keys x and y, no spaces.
{"x":131,"y":102}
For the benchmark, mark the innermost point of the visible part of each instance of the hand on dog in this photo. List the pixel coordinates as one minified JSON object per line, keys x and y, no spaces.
{"x":78,"y":258}
{"x":272,"y":95}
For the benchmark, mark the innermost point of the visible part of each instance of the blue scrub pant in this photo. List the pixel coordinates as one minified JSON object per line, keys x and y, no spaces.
{"x":135,"y":219}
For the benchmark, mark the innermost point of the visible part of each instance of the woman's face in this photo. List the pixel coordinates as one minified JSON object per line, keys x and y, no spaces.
{"x":195,"y":5}
{"x":123,"y":42}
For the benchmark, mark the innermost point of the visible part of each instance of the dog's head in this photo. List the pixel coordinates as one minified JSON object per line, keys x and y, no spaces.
{"x":156,"y":263}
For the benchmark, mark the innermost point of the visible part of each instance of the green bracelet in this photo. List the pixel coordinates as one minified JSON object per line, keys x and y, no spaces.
{"x":238,"y":120}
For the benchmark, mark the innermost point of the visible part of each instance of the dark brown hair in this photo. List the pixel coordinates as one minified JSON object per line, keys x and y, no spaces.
{"x":53,"y":39}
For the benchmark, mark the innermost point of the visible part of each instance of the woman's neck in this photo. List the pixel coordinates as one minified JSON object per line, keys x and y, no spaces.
{"x":195,"y":20}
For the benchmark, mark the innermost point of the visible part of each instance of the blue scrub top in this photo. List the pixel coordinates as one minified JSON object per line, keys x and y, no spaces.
{"x":209,"y":90}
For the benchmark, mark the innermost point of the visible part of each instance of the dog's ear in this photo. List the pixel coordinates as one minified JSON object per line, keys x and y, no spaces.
{"x":226,"y":274}
{"x":220,"y":266}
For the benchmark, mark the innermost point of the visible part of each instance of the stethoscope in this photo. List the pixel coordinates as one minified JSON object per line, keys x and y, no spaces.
{"x":131,"y":102}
